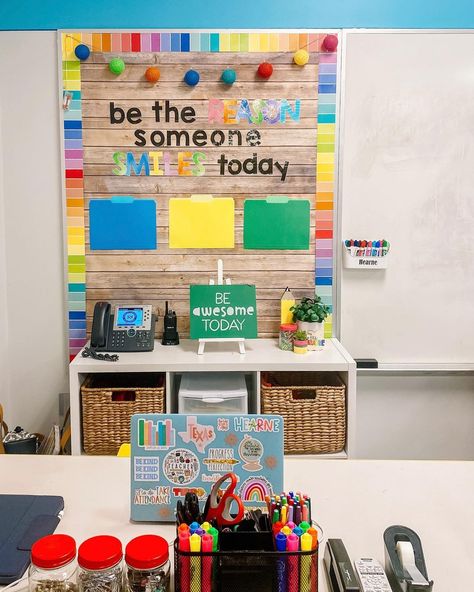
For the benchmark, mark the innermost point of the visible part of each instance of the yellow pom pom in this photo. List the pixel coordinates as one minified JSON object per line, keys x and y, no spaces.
{"x":301,"y":57}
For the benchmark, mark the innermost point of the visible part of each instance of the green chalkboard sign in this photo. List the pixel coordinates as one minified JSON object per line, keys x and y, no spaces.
{"x":223,"y":311}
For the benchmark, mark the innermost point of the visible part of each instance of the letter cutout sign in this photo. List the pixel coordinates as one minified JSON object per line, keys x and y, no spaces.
{"x":223,"y":311}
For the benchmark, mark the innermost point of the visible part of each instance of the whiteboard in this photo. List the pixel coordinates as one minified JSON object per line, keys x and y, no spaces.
{"x":407,"y":175}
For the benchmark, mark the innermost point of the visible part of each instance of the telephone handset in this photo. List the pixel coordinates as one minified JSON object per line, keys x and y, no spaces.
{"x":130,"y":329}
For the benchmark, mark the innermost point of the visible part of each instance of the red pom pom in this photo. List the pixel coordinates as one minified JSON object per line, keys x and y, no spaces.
{"x":330,"y":43}
{"x":265,"y":70}
{"x":152,"y":74}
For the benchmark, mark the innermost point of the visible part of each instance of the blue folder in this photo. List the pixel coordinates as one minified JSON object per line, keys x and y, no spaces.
{"x":122,"y":223}
{"x":23,"y":520}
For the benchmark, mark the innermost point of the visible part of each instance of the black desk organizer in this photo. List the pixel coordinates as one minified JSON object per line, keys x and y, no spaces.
{"x":249,"y":570}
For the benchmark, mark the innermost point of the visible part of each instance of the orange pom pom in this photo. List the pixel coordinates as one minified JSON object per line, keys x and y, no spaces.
{"x":152,"y":74}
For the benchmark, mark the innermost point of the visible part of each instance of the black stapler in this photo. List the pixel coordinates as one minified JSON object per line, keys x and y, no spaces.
{"x":404,"y":561}
{"x":341,"y":575}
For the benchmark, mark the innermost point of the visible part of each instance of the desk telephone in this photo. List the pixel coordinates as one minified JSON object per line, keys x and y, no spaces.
{"x":130,"y":329}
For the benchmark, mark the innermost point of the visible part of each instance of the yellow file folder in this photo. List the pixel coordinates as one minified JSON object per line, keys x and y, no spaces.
{"x":201,"y":222}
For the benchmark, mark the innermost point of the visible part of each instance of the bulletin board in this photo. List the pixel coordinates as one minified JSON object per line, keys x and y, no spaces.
{"x":187,"y":140}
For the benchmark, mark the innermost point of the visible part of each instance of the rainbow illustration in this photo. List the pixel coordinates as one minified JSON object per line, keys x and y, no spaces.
{"x":159,"y":435}
{"x":228,"y":41}
{"x":254,"y":489}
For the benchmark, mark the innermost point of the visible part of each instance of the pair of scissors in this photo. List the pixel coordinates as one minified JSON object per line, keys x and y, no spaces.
{"x":218,"y":508}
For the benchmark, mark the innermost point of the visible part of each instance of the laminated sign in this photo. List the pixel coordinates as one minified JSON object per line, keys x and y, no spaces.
{"x":223,"y":311}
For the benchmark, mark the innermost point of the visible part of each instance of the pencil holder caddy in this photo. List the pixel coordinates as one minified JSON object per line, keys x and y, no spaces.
{"x":246,"y":571}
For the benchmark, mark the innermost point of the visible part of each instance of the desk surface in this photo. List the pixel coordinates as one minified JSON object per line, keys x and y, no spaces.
{"x":261,"y":354}
{"x":354,"y":500}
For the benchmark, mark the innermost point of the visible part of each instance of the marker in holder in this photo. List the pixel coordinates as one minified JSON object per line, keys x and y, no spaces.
{"x":365,"y":254}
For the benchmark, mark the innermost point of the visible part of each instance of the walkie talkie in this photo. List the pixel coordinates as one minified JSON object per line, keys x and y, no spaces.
{"x":170,"y":327}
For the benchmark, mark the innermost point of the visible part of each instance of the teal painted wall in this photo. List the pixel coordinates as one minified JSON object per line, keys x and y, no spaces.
{"x":187,"y":14}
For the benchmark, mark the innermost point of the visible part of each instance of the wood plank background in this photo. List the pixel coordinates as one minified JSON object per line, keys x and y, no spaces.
{"x":165,"y":274}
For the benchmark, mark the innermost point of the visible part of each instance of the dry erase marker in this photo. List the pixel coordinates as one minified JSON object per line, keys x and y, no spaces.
{"x":384,"y":247}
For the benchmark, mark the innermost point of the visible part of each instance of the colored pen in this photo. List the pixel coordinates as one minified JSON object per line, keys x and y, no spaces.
{"x":283,"y":514}
{"x":290,"y":524}
{"x":297,"y":515}
{"x":183,"y":527}
{"x":205,"y":526}
{"x":291,"y":512}
{"x":286,"y":530}
{"x":183,"y":544}
{"x":195,"y":545}
{"x":206,"y":546}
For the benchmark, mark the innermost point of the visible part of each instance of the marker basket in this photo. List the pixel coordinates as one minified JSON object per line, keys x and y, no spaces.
{"x":246,"y":571}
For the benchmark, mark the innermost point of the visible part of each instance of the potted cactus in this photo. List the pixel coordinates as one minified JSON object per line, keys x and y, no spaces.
{"x":300,"y":342}
{"x":310,"y":314}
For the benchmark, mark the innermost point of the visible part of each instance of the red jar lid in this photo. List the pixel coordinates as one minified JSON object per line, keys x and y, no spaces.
{"x":99,"y":552}
{"x":146,"y":552}
{"x":53,"y":551}
{"x":289,"y":327}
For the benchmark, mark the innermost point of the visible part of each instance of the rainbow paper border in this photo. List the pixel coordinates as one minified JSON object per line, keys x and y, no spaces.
{"x":184,"y":42}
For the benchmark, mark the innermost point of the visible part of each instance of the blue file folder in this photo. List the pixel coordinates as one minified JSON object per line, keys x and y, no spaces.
{"x":122,"y":223}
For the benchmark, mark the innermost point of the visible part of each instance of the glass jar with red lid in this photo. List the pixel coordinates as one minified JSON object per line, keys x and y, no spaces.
{"x":100,"y":565}
{"x":53,"y":564}
{"x":147,"y":564}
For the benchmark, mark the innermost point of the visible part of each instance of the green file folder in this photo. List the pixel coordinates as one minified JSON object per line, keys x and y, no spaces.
{"x":277,"y":222}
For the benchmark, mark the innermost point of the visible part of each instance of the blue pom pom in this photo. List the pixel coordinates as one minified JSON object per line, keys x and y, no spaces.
{"x":82,"y":52}
{"x":191,"y":77}
{"x":229,"y":76}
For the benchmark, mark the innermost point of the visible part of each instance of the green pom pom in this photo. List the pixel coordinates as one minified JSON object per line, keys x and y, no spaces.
{"x":116,"y":66}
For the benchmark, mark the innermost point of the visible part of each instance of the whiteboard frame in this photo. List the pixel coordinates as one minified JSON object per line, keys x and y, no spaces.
{"x":383,"y":368}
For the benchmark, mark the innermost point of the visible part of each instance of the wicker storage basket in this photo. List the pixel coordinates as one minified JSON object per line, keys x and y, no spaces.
{"x":313,"y":406}
{"x":108,"y":403}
